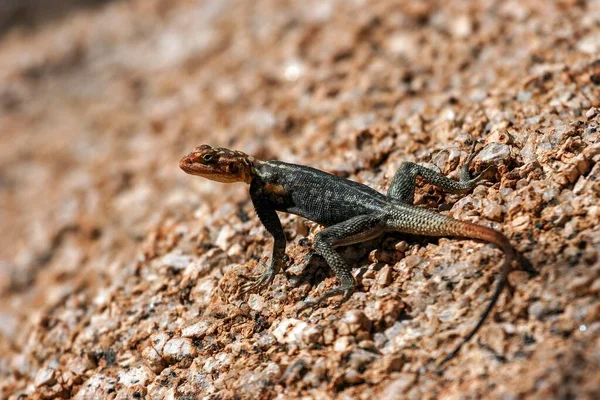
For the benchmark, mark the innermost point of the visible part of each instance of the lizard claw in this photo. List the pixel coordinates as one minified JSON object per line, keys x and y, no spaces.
{"x":258,"y":281}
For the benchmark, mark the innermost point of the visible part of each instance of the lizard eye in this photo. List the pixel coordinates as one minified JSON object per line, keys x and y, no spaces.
{"x":207,"y":157}
{"x":233,"y":168}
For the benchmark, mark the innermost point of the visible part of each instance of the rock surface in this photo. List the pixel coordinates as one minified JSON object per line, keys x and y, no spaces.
{"x":120,"y":274}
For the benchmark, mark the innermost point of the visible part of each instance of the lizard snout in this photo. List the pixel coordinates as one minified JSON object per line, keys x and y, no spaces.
{"x":186,"y":163}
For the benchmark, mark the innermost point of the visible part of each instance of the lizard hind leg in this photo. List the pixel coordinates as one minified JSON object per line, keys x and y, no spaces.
{"x":403,"y":185}
{"x":354,"y":230}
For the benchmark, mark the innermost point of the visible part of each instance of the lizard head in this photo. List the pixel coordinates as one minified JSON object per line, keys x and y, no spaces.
{"x":218,"y":164}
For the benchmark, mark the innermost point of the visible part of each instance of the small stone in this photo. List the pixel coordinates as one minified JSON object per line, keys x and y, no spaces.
{"x":265,"y":341}
{"x":293,"y":70}
{"x":524,"y":95}
{"x":80,"y":365}
{"x":595,"y":287}
{"x":290,"y":331}
{"x":216,"y":363}
{"x":328,"y":336}
{"x":159,"y":340}
{"x":537,"y":309}
{"x":197,"y":330}
{"x":223,"y":240}
{"x":294,"y":372}
{"x":272,"y":371}
{"x":384,"y":277}
{"x":401,"y":246}
{"x":212,"y":259}
{"x":360,"y":358}
{"x":589,"y":44}
{"x":342,"y":344}
{"x":353,"y":377}
{"x":153,"y":359}
{"x":415,"y":124}
{"x":98,"y":386}
{"x":312,"y":335}
{"x":495,"y":153}
{"x":392,"y":363}
{"x":380,"y":256}
{"x":179,"y":349}
{"x":140,"y":375}
{"x":176,"y":260}
{"x":591,"y":113}
{"x":521,"y":222}
{"x":402,"y":382}
{"x":45,"y":377}
{"x":579,"y":285}
{"x":462,"y":26}
{"x":256,"y":302}
{"x":352,"y":322}
{"x":493,"y":212}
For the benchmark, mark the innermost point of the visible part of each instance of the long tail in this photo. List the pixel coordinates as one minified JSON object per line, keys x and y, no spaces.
{"x":472,"y":231}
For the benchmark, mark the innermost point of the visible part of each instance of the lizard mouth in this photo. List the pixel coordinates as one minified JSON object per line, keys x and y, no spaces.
{"x":189,"y":165}
{"x":186,"y":164}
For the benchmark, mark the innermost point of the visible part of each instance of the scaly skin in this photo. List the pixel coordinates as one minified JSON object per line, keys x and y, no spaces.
{"x":350,"y":211}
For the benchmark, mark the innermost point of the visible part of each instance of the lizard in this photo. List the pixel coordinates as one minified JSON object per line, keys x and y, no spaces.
{"x":351,"y":212}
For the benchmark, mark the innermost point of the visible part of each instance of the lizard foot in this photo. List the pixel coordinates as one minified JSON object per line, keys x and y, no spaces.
{"x":258,"y":281}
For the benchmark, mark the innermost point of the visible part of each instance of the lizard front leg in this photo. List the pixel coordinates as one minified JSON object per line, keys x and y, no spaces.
{"x":403,"y":185}
{"x":268,"y":216}
{"x":354,"y":230}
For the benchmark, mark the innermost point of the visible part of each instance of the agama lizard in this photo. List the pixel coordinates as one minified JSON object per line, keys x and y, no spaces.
{"x":350,"y":211}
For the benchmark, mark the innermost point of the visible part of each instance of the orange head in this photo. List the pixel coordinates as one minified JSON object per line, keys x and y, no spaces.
{"x":218,"y":164}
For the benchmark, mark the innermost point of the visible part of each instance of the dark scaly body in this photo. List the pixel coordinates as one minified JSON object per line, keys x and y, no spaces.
{"x":316,"y":195}
{"x":350,"y":211}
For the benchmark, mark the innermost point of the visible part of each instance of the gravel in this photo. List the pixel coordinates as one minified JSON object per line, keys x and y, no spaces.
{"x":120,"y":275}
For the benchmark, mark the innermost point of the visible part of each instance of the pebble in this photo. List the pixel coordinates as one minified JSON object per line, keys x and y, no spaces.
{"x":176,"y":260}
{"x":265,"y":341}
{"x":217,"y":363}
{"x":45,"y":377}
{"x":197,"y":330}
{"x":290,"y":331}
{"x":400,"y":383}
{"x":392,"y":363}
{"x":140,"y":375}
{"x":153,"y":359}
{"x":492,"y":211}
{"x":342,"y":344}
{"x":257,"y":302}
{"x":226,"y":234}
{"x":292,"y":91}
{"x":352,"y":322}
{"x":494,"y":153}
{"x":98,"y":386}
{"x":384,"y":277}
{"x":159,"y":340}
{"x":178,"y":349}
{"x":521,"y":223}
{"x":353,"y":377}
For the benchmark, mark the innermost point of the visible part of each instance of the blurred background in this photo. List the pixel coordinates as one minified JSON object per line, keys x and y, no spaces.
{"x":32,"y":13}
{"x":99,"y":99}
